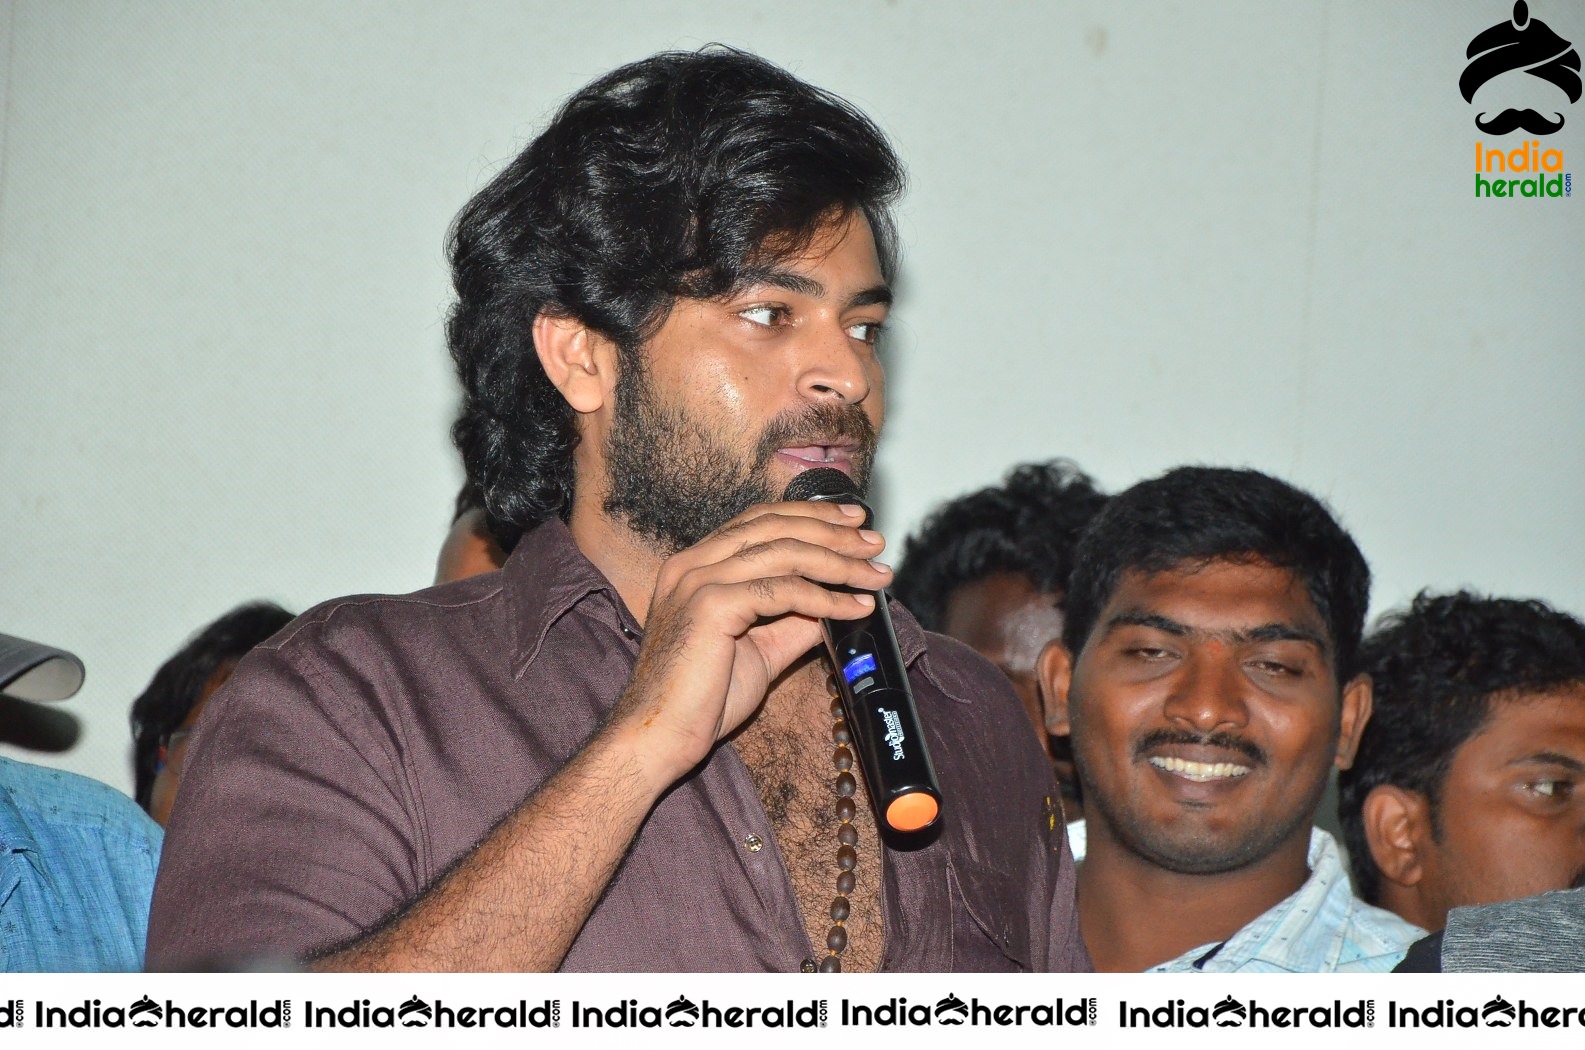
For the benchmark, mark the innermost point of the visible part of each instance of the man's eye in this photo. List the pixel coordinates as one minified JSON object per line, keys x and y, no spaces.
{"x":769,"y":316}
{"x":1552,"y":789}
{"x":1272,"y":667}
{"x":866,"y":331}
{"x":1145,"y":652}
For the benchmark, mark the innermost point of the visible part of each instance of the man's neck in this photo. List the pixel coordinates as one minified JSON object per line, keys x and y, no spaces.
{"x":1135,"y":915}
{"x":621,"y":555}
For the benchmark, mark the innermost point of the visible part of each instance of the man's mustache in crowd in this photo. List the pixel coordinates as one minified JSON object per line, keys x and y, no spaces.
{"x":1510,"y":119}
{"x":1227,"y":741}
{"x":825,"y":424}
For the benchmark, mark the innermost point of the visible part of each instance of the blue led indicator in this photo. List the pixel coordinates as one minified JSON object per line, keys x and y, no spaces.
{"x":857,"y":666}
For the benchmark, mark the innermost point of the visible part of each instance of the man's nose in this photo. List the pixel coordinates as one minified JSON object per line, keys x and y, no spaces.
{"x":833,"y":365}
{"x":1209,"y":694}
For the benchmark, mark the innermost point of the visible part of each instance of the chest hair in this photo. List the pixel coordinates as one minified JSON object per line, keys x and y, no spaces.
{"x":787,"y":748}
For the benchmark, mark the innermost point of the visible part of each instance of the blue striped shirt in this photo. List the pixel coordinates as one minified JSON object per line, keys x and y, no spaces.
{"x":1319,"y":928}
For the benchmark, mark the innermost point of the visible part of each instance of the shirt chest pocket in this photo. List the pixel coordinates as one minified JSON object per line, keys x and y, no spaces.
{"x":990,"y":920}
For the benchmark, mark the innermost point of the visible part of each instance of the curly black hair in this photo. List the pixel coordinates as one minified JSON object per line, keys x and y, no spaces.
{"x":180,"y":681}
{"x":1195,"y":515}
{"x":1438,"y":668}
{"x":1026,"y":526}
{"x":678,"y":175}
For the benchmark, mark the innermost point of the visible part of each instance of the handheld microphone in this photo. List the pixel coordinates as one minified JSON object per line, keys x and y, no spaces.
{"x":873,"y":684}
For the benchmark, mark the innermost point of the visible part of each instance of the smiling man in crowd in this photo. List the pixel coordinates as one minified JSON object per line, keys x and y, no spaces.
{"x":617,"y":752}
{"x":1469,"y":787}
{"x":1209,"y":674}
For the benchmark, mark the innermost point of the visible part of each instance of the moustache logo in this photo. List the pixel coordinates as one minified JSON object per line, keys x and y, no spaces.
{"x":1499,"y":1013}
{"x":1518,"y":119}
{"x":951,"y":1010}
{"x":1229,"y":1012}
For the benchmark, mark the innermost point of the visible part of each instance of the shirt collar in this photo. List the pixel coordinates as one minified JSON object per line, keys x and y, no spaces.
{"x":1309,"y":931}
{"x":548,"y":575}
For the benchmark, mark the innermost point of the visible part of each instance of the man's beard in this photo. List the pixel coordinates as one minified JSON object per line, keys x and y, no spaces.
{"x":674,"y":480}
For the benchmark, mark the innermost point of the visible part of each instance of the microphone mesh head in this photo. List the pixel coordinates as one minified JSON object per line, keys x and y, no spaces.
{"x":823,"y":483}
{"x":827,"y":485}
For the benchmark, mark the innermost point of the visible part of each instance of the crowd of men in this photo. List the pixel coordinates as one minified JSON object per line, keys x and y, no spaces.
{"x":609,"y":738}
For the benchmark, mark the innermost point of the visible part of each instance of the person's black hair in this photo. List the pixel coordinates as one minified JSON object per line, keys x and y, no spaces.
{"x":1191,"y":516}
{"x":180,"y":681}
{"x":681,"y":175}
{"x":1025,"y":526}
{"x":469,"y":498}
{"x":1438,"y":669}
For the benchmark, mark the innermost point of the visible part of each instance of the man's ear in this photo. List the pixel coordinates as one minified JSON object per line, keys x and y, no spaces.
{"x":1358,"y":699}
{"x":1397,"y":821}
{"x":1053,"y":675}
{"x":580,"y":362}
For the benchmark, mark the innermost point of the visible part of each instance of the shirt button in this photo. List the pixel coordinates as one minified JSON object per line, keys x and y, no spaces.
{"x":807,"y":966}
{"x":754,"y":843}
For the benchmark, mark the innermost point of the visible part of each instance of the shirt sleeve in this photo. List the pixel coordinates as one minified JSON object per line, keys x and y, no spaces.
{"x":294,"y":830}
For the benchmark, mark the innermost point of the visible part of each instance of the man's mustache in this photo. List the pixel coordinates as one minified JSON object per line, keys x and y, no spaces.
{"x":829,"y":422}
{"x":1224,"y":740}
{"x":1511,"y":119}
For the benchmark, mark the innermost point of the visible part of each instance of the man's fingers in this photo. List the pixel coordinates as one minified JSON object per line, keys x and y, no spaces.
{"x":735,"y":607}
{"x":786,"y":556}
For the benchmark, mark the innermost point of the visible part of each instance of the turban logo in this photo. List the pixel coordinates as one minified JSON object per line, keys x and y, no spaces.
{"x":1522,"y":43}
{"x":145,"y":1013}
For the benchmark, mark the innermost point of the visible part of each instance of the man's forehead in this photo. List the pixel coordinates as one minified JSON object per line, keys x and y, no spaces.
{"x":1218,"y":594}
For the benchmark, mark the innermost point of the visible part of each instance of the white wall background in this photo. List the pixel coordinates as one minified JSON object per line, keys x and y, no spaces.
{"x":1139,"y":234}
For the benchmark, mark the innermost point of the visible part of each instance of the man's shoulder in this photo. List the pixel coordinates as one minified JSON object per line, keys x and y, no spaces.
{"x":1373,"y":934}
{"x":961,"y":672}
{"x":47,"y":800}
{"x":1354,"y":936}
{"x":360,"y":614}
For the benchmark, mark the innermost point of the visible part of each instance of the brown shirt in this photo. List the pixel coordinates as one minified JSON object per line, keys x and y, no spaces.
{"x":357,"y":755}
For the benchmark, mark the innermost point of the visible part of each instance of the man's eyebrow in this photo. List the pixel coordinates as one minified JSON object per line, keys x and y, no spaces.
{"x":1269,"y":632}
{"x":1140,"y":618}
{"x":803,"y":284}
{"x":1285,"y":632}
{"x":777,"y":277}
{"x":1551,"y":758}
{"x":880,"y":295}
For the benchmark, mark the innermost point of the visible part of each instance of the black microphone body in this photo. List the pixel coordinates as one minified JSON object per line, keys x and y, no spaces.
{"x":872,"y":681}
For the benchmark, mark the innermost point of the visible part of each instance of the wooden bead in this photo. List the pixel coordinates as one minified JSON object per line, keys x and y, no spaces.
{"x":831,"y":964}
{"x":842,"y":758}
{"x":840,"y":909}
{"x":837,"y":939}
{"x":845,"y":883}
{"x":846,"y":809}
{"x":846,"y":785}
{"x":847,"y":858}
{"x":848,"y":835}
{"x":840,"y":734}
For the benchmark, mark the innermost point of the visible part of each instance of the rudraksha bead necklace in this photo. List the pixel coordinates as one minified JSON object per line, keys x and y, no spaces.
{"x":847,"y":835}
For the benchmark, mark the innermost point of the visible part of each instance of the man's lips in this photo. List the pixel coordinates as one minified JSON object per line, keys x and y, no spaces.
{"x":1199,"y":772}
{"x":838,"y":456}
{"x":1213,"y":758}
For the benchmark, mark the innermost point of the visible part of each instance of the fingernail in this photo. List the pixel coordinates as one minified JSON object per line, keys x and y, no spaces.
{"x":851,"y":510}
{"x":865,"y":599}
{"x":882,"y":566}
{"x":871,"y":536}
